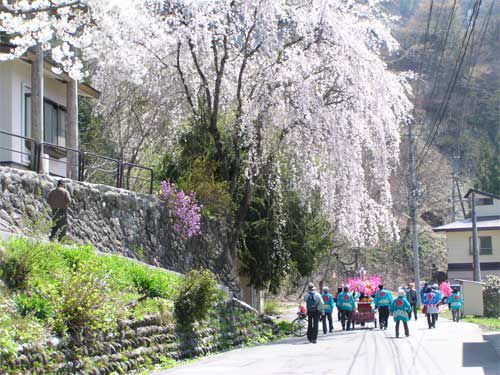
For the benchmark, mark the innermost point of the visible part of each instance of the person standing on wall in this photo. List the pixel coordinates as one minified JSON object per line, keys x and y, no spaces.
{"x":383,"y":299}
{"x":412,"y":297}
{"x":315,"y":308}
{"x":59,"y":200}
{"x":328,"y":303}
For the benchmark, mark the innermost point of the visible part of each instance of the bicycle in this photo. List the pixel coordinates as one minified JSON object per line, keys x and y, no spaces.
{"x":299,"y":324}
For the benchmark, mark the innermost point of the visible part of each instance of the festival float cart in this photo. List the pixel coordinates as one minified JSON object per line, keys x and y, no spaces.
{"x":365,"y":311}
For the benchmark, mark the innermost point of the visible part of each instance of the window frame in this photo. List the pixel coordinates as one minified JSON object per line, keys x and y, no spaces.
{"x":61,"y":111}
{"x":484,"y":201}
{"x":481,"y":248}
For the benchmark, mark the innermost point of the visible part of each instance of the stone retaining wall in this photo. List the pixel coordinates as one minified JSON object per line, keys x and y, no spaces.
{"x":113,"y":220}
{"x":140,"y":344}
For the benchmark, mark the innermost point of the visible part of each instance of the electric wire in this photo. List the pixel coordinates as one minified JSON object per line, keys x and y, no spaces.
{"x":452,"y":83}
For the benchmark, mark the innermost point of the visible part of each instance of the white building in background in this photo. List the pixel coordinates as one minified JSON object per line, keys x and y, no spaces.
{"x":15,"y":112}
{"x":459,"y":239}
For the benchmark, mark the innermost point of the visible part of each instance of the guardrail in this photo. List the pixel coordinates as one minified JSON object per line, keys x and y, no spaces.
{"x":87,"y":166}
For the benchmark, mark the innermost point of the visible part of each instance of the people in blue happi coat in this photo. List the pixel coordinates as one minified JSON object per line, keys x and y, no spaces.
{"x":346,"y":306}
{"x":382,"y":301}
{"x":430,"y":302}
{"x":328,"y":303}
{"x":400,"y":308}
{"x":455,"y":301}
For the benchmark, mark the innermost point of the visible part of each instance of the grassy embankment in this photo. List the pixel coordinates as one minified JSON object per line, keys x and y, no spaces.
{"x":48,"y":290}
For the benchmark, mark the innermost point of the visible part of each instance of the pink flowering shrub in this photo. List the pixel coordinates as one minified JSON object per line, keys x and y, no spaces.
{"x":186,"y":210}
{"x":368,"y":286}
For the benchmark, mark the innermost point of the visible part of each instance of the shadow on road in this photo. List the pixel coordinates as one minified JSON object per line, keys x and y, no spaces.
{"x":303,"y":340}
{"x":481,"y":354}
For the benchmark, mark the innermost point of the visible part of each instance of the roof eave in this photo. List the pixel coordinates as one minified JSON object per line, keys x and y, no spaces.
{"x":464,"y":229}
{"x":83,"y":88}
{"x":490,"y":195}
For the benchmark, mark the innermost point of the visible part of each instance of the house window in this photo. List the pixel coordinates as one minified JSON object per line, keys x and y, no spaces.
{"x":54,"y":121}
{"x":485,"y":245}
{"x":484,"y":201}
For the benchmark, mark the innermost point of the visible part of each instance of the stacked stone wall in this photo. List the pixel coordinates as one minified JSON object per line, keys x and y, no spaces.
{"x":114,"y":221}
{"x":139,"y":344}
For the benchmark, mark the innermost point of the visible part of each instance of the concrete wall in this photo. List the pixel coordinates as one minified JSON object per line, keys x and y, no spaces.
{"x":472,"y":293}
{"x":114,"y":221}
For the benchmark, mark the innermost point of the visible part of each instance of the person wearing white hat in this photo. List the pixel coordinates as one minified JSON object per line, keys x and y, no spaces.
{"x":315,"y":308}
{"x":400,"y":308}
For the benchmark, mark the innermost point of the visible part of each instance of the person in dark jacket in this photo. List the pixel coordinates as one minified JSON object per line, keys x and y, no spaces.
{"x":59,"y":200}
{"x":412,"y":298}
{"x":423,"y":290}
{"x":315,"y":309}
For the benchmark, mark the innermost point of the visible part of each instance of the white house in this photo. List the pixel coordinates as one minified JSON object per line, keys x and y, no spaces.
{"x":459,"y":239}
{"x":59,"y":127}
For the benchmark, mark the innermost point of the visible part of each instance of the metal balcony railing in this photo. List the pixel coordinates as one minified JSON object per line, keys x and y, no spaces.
{"x":87,"y":166}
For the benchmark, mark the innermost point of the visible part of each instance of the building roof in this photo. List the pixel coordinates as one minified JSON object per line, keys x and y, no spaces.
{"x":471,"y":281}
{"x":483,"y":223}
{"x":490,"y":195}
{"x":83,"y":88}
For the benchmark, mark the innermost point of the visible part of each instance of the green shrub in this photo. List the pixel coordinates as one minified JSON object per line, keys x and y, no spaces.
{"x":491,"y":297}
{"x":272,"y":307}
{"x":16,"y":263}
{"x":150,"y":306}
{"x":149,"y":284}
{"x":34,"y":305}
{"x":285,"y":327}
{"x":83,"y":304}
{"x":76,"y":256}
{"x":197,"y":295}
{"x":213,"y":194}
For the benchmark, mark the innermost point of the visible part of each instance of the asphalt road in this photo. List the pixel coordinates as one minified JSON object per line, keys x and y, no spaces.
{"x":451,"y":348}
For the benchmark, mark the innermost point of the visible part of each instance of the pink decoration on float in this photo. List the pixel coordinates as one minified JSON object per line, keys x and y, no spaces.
{"x":368,"y":285}
{"x":445,"y":289}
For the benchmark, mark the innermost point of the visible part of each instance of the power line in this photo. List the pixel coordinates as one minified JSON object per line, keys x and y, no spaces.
{"x":443,"y":49}
{"x":475,"y":58}
{"x":452,"y":83}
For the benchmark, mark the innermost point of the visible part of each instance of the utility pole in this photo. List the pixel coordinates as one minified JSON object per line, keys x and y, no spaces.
{"x":460,"y":197}
{"x":453,"y":210}
{"x":454,"y":166}
{"x":37,"y":131}
{"x":476,"y":267}
{"x":413,"y":207}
